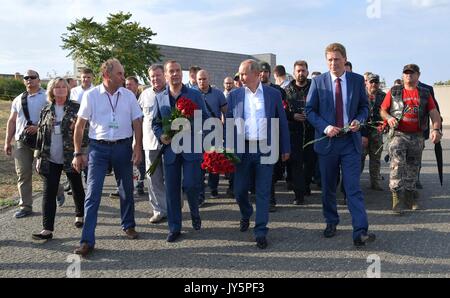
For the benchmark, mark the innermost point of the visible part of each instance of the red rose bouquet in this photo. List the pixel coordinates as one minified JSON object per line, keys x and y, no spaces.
{"x":184,"y":108}
{"x":219,"y":162}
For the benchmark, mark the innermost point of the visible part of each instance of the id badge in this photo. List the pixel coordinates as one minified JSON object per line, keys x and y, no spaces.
{"x":113,"y":124}
{"x":57,"y":129}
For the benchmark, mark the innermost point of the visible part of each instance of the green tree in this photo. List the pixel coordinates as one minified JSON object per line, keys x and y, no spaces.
{"x":10,"y":88}
{"x":93,"y":43}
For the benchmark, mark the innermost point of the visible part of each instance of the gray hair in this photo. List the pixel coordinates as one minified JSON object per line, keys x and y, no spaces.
{"x":254,"y":65}
{"x":156,"y":66}
{"x":108,"y":65}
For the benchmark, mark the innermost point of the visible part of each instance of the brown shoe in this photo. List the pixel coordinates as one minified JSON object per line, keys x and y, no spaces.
{"x":83,"y":250}
{"x":131,"y":233}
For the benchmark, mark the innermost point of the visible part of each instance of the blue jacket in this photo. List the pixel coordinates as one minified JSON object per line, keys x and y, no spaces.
{"x":273,"y":108}
{"x":321,"y":112}
{"x":163,"y":109}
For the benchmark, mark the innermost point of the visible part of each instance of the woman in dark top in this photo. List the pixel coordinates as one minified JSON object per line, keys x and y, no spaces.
{"x":54,"y":154}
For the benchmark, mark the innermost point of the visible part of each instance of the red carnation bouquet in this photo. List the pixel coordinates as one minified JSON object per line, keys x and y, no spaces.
{"x":184,"y":108}
{"x":219,"y":162}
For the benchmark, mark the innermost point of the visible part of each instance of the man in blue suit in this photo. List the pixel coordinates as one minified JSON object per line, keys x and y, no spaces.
{"x":186,"y":164}
{"x":337,"y":100}
{"x":257,"y":105}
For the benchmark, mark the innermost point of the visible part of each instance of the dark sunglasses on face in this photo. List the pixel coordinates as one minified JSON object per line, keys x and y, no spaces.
{"x":30,"y":78}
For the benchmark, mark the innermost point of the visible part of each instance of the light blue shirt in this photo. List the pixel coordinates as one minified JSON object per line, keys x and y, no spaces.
{"x":255,"y":115}
{"x":344,"y":96}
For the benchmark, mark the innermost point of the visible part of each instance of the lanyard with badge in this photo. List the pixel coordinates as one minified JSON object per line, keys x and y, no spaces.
{"x":57,"y":120}
{"x":113,"y":124}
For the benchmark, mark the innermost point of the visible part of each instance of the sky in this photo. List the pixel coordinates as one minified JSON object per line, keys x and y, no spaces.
{"x":380,"y":36}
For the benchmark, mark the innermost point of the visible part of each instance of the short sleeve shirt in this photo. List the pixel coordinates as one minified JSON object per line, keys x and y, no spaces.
{"x":110,"y":116}
{"x":410,"y":121}
{"x":36,"y":103}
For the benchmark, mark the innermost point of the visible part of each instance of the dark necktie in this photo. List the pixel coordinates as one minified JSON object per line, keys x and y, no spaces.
{"x":339,"y":104}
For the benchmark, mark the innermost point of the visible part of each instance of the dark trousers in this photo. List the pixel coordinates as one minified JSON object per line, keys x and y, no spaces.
{"x":343,"y":155}
{"x":309,"y":164}
{"x":251,"y":162}
{"x":51,"y":184}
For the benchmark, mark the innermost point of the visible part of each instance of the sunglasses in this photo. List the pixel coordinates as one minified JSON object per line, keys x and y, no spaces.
{"x":30,"y":78}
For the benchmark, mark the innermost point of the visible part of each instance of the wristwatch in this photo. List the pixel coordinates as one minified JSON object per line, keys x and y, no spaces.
{"x":438,"y":130}
{"x":76,"y":154}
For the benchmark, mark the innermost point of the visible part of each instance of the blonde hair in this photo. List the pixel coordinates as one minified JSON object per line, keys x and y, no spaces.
{"x":336,"y":47}
{"x":52,"y":84}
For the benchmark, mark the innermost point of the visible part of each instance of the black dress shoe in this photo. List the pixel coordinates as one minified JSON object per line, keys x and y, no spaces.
{"x":261,"y":242}
{"x":244,"y":224}
{"x":363,"y":239}
{"x":173,"y":236}
{"x":330,"y":231}
{"x":196,"y":223}
{"x":79,"y":224}
{"x":40,"y":236}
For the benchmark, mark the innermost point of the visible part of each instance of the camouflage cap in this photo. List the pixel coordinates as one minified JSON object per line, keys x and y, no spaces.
{"x":373,"y":77}
{"x":411,"y":67}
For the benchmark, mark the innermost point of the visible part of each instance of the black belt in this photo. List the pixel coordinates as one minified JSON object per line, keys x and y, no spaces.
{"x":105,"y":142}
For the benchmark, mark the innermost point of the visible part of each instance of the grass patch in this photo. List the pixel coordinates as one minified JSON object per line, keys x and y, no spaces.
{"x":8,"y":177}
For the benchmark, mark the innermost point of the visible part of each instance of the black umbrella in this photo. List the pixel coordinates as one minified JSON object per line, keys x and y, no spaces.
{"x":438,"y":153}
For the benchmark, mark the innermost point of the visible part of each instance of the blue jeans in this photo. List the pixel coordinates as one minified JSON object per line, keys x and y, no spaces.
{"x":100,"y":156}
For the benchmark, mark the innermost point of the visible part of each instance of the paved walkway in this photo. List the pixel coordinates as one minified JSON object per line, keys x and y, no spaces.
{"x":414,"y":245}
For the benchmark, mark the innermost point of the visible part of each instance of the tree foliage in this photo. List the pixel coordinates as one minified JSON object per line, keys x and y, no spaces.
{"x":440,"y":83}
{"x":93,"y":43}
{"x":10,"y":88}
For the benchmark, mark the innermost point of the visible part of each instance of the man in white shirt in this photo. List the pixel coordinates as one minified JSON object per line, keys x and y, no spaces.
{"x":34,"y":99}
{"x":156,"y":189}
{"x":87,"y":75}
{"x":114,"y":115}
{"x":257,"y":104}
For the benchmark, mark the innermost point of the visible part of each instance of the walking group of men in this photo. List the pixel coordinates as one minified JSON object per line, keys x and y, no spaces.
{"x":336,"y":109}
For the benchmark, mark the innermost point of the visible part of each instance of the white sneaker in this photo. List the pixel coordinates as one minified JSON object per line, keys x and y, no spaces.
{"x":156,"y":218}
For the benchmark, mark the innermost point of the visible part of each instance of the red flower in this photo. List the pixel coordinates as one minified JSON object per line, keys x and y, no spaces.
{"x":186,"y":106}
{"x":218,"y":163}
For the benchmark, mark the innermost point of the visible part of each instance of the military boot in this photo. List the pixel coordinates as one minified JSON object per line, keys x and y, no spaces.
{"x":411,"y":197}
{"x":375,"y":185}
{"x":397,"y":203}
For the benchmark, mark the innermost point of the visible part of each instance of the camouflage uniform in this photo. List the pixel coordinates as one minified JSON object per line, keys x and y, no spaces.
{"x":375,"y":138}
{"x":405,"y":150}
{"x":44,"y":134}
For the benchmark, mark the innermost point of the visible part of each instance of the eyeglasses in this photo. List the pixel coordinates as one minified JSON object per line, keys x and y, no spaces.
{"x":30,"y":78}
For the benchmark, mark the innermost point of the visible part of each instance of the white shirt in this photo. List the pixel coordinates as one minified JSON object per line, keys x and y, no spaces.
{"x":35,"y":102}
{"x":255,"y":114}
{"x":344,"y":96}
{"x":104,"y":123}
{"x":76,"y":94}
{"x":147,"y":103}
{"x":56,"y":145}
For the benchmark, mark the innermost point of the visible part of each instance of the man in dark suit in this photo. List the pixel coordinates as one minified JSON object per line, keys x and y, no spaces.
{"x":176,"y":165}
{"x":337,"y":100}
{"x":258,"y":106}
{"x":426,"y":133}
